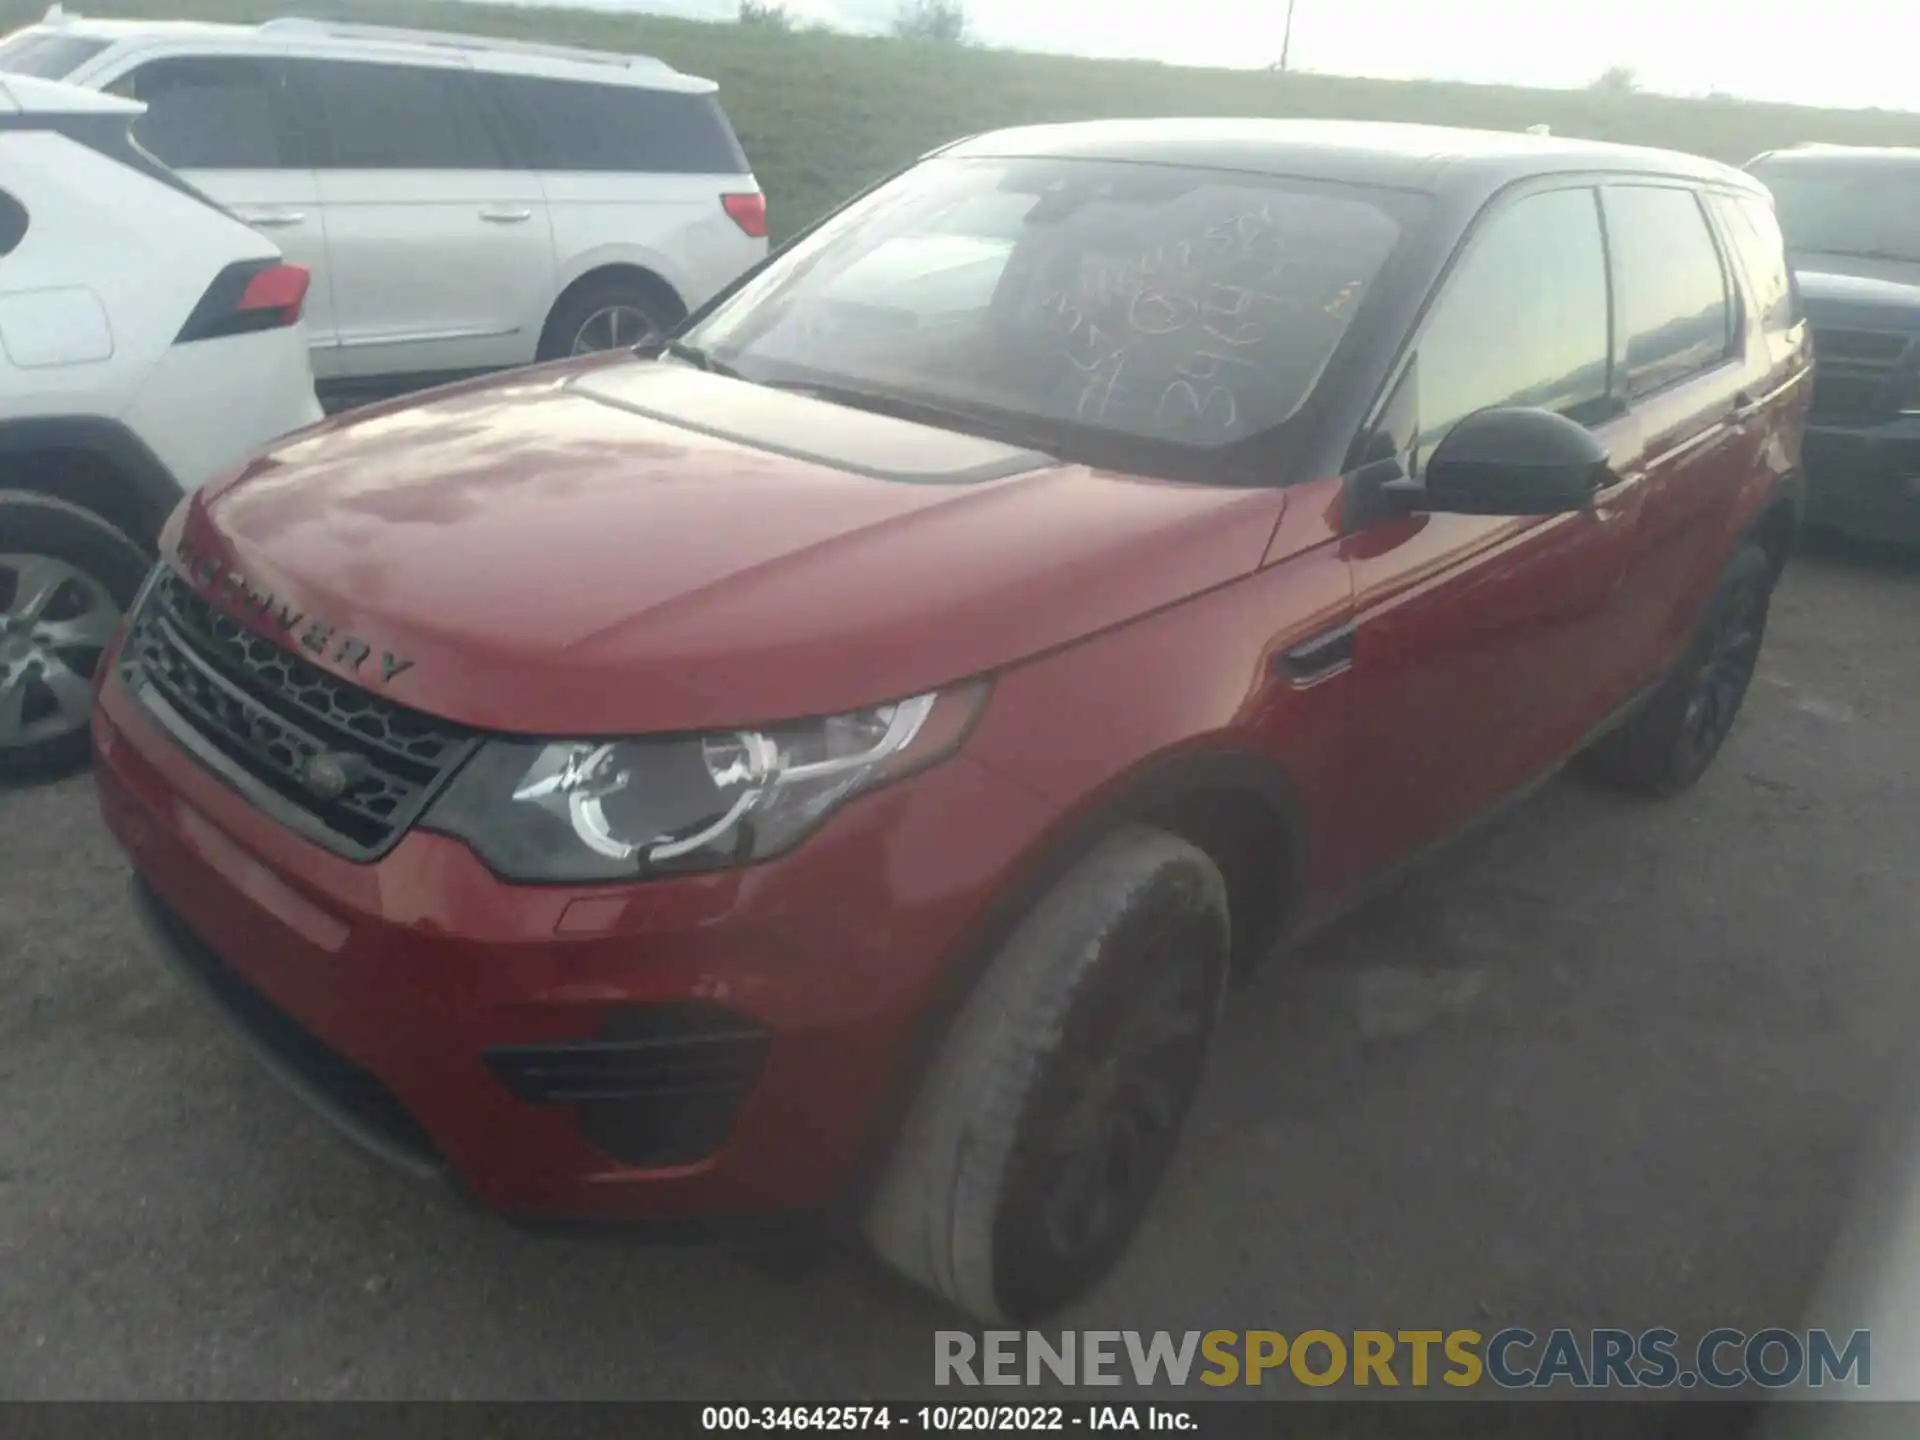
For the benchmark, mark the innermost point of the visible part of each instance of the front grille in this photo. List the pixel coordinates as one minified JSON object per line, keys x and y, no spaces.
{"x":268,"y":713}
{"x":661,"y":1085}
{"x":1868,"y":346}
{"x":1854,"y":377}
{"x":1838,"y":395}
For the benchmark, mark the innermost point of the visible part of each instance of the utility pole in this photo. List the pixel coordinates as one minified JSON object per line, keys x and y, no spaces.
{"x":1286,"y":39}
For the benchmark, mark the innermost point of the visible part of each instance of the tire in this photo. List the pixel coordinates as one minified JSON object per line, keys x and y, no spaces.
{"x":1083,"y":1042}
{"x":1669,"y":744}
{"x":66,"y":579}
{"x":632,"y":303}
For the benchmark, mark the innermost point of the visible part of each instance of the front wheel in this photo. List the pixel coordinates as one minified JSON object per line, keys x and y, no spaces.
{"x":1042,"y":1129}
{"x":1670,"y":743}
{"x":66,"y":578}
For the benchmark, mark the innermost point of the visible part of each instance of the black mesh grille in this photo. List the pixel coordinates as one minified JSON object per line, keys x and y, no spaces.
{"x":1837,"y":393}
{"x":1871,"y":346}
{"x":1854,"y":370}
{"x":270,"y":713}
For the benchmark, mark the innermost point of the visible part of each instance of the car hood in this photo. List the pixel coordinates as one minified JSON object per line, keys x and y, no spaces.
{"x":617,"y":547}
{"x":1876,"y":301}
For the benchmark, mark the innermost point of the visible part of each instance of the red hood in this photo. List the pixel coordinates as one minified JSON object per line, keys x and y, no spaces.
{"x":614,"y":548}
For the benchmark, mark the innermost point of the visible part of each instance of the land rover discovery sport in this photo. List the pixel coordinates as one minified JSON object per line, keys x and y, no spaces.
{"x":836,"y":764}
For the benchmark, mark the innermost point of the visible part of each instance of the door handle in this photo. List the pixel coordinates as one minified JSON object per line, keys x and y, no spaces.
{"x":276,"y":219}
{"x":506,"y":216}
{"x":1323,"y":655}
{"x":1745,"y":407}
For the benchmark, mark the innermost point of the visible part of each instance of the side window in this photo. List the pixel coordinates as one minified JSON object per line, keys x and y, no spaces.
{"x":627,"y":128}
{"x":13,"y":223}
{"x":1679,"y":315}
{"x":1523,"y":319}
{"x":1755,"y":232}
{"x":398,"y":117}
{"x":1754,"y":236}
{"x":208,"y":113}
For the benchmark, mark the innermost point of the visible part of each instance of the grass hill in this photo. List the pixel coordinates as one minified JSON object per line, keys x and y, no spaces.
{"x":821,"y":114}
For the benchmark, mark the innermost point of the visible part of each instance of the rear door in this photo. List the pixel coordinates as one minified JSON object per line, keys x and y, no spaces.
{"x":441,"y":244}
{"x":634,"y":176}
{"x":227,"y":125}
{"x":1486,"y":647}
{"x":1697,"y":387}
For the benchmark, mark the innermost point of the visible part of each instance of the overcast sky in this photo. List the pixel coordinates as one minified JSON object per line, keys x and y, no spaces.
{"x":1830,"y":52}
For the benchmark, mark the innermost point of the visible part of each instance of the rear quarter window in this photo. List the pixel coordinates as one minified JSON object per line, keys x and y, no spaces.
{"x":1678,"y":311}
{"x":564,"y":125}
{"x":1754,"y":233}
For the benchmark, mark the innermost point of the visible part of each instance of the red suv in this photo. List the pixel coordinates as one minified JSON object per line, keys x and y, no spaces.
{"x":834,"y":764}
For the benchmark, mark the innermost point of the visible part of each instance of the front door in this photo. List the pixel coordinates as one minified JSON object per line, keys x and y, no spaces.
{"x":442,"y":248}
{"x":1484,"y":646}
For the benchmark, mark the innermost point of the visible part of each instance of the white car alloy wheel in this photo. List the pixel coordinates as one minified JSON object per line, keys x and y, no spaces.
{"x":615,"y":327}
{"x":55,"y":622}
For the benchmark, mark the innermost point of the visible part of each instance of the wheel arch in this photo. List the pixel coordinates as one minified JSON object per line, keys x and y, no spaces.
{"x":96,"y":464}
{"x":1231,"y":804}
{"x":642,"y":270}
{"x":1777,"y":527}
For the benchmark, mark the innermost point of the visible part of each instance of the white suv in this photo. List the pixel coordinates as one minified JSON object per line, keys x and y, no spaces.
{"x":464,"y":204}
{"x":148,"y":342}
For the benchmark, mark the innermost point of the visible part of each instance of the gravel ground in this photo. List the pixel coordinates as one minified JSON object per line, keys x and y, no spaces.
{"x":1606,"y":1063}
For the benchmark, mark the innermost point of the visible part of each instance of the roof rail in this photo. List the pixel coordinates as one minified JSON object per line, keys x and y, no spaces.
{"x":446,"y":40}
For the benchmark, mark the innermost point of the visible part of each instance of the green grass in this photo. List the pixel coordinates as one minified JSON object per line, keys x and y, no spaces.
{"x":822,"y":114}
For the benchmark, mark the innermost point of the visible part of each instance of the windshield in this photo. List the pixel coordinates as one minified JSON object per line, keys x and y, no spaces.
{"x":1858,"y":213}
{"x":44,"y":56}
{"x":1069,"y":299}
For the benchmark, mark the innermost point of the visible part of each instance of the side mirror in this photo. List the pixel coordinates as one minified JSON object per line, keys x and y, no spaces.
{"x":1514,"y":462}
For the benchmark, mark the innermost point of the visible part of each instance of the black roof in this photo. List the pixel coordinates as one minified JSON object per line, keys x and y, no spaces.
{"x":1408,"y":157}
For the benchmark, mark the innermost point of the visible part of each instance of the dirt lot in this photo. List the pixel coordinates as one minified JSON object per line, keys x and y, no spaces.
{"x":1605,"y":1063}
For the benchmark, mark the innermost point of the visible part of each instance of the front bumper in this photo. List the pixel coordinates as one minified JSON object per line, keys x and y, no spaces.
{"x":701,"y":1046}
{"x":1865,"y":479}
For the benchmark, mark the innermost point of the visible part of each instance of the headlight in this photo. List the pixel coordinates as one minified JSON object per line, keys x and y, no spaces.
{"x":592,"y":810}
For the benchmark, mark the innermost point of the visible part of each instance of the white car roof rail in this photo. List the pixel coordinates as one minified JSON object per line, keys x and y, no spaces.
{"x":472,"y":44}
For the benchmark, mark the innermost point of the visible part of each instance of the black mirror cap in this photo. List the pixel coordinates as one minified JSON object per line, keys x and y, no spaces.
{"x":1515,"y":462}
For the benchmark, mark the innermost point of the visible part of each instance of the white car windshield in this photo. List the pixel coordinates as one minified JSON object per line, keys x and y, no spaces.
{"x":1187,"y":307}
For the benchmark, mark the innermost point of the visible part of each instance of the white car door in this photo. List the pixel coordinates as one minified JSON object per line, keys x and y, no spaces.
{"x":441,"y":249}
{"x":228,"y":126}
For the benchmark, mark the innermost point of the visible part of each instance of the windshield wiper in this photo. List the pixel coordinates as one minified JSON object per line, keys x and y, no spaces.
{"x":702,"y":359}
